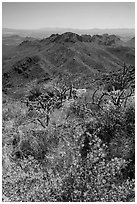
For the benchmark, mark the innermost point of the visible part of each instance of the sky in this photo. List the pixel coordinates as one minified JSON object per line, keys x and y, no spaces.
{"x":82,"y":15}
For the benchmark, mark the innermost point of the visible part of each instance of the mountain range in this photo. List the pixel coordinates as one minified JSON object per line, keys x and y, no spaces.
{"x":125,"y":33}
{"x":77,"y":58}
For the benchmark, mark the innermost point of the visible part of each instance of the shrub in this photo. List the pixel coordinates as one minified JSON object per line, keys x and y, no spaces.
{"x":28,"y":182}
{"x":97,"y":182}
{"x":88,"y":157}
{"x":94,"y":179}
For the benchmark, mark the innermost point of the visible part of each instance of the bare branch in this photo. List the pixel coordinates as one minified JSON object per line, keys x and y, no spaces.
{"x":100,"y":99}
{"x":93,"y":96}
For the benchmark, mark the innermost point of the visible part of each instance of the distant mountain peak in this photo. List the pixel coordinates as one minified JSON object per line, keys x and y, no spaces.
{"x":66,"y":37}
{"x":70,"y":37}
{"x":106,"y":39}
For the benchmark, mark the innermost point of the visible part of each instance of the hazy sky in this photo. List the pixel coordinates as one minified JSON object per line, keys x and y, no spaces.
{"x":69,"y":15}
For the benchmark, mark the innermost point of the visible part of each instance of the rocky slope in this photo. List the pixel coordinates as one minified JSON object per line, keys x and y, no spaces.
{"x":78,"y":56}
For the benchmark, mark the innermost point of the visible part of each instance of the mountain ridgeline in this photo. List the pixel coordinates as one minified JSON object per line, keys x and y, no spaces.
{"x":76,"y":57}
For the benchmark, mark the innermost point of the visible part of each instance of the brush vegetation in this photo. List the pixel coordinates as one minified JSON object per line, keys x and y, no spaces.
{"x":64,"y":144}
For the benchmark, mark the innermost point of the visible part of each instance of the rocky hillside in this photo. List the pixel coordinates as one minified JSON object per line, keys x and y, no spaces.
{"x":131,"y":43}
{"x":69,"y":54}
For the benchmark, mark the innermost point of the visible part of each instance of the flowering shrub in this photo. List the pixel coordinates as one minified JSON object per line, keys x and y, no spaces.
{"x":97,"y":182}
{"x":88,"y":157}
{"x":27,"y":181}
{"x":93,"y":179}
